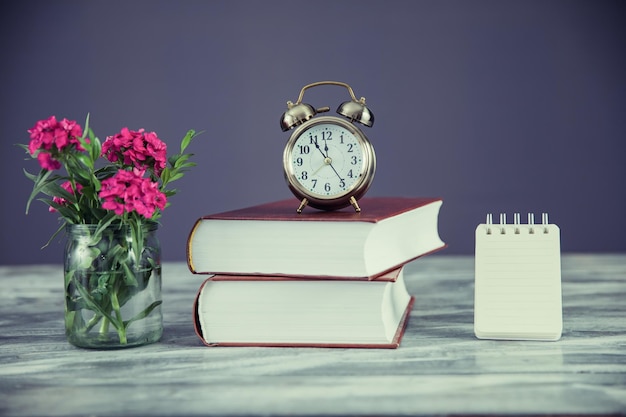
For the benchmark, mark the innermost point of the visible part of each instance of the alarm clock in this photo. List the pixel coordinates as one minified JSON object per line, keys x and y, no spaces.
{"x":328,"y":161}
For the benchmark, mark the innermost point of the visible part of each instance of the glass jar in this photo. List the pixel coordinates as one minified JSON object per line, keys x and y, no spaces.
{"x":112,"y":285}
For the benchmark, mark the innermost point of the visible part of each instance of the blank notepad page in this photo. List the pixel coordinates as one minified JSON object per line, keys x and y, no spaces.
{"x":518,"y":281}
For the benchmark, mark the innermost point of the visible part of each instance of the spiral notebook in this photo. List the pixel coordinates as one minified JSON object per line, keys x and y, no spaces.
{"x":517,"y":294}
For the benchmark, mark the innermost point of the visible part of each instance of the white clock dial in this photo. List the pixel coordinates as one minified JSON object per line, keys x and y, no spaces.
{"x":327,"y":160}
{"x":329,"y":163}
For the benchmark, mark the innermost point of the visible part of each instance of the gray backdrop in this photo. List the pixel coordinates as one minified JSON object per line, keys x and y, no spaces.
{"x":496,"y":106}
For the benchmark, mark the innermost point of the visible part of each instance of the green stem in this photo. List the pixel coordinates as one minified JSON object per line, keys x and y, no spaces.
{"x":94,"y":320}
{"x":121,"y":329}
{"x":104,"y":326}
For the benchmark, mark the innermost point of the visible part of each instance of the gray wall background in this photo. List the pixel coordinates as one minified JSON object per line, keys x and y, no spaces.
{"x":496,"y":106}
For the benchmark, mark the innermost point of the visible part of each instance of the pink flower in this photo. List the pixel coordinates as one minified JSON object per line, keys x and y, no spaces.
{"x":49,"y":137}
{"x":47,"y":161}
{"x":137,"y":149}
{"x":67,"y":186}
{"x":128,"y":191}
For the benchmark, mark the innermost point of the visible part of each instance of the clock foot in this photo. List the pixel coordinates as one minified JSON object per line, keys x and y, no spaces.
{"x":303,"y":204}
{"x":355,"y":204}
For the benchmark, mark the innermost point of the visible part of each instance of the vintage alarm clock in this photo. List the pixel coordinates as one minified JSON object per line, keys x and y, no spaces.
{"x":328,"y":162}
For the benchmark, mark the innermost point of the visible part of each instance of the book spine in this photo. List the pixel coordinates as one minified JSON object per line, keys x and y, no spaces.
{"x":190,"y":246}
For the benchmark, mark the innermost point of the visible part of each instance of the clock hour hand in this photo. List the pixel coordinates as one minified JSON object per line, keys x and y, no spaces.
{"x":325,"y":155}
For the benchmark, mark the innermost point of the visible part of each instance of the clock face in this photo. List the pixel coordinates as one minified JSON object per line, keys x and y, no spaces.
{"x":328,"y":159}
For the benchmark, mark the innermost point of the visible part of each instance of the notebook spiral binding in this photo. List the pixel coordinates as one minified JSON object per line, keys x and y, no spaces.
{"x":516,"y":222}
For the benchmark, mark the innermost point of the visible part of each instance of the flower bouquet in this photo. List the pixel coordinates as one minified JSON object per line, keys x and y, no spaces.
{"x":109,"y":197}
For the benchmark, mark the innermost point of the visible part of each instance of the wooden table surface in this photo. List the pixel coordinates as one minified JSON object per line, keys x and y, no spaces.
{"x":440,"y":368}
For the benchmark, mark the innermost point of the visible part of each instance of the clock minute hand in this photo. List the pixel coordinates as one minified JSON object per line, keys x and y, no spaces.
{"x":331,"y":165}
{"x":327,"y":159}
{"x":327,"y":162}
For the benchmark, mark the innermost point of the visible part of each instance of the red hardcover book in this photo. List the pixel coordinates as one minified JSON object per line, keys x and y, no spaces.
{"x":287,"y":312}
{"x":274,"y":240}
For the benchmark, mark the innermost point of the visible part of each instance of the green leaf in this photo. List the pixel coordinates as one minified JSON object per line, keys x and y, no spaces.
{"x":184,"y":167}
{"x":172,"y":159}
{"x":169,"y":193}
{"x":188,"y":138}
{"x":176,"y":176}
{"x":96,"y":147}
{"x":93,"y":305}
{"x":55,"y":234}
{"x":165,"y":175}
{"x":26,"y":150}
{"x":87,"y":123}
{"x":179,"y":159}
{"x":182,"y":163}
{"x":86,"y":161}
{"x":145,"y":313}
{"x":82,"y":139}
{"x":104,"y":223}
{"x":105,"y":172}
{"x":55,"y":190}
{"x":41,"y":181}
{"x":67,"y":212}
{"x":30,"y":176}
{"x":129,"y":276}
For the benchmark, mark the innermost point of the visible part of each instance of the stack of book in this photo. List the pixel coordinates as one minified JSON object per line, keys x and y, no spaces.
{"x":327,"y":279}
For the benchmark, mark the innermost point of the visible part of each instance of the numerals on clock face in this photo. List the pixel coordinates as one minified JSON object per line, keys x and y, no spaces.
{"x":327,"y":160}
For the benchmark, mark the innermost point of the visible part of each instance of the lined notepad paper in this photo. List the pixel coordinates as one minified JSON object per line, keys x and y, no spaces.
{"x":518,"y":280}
